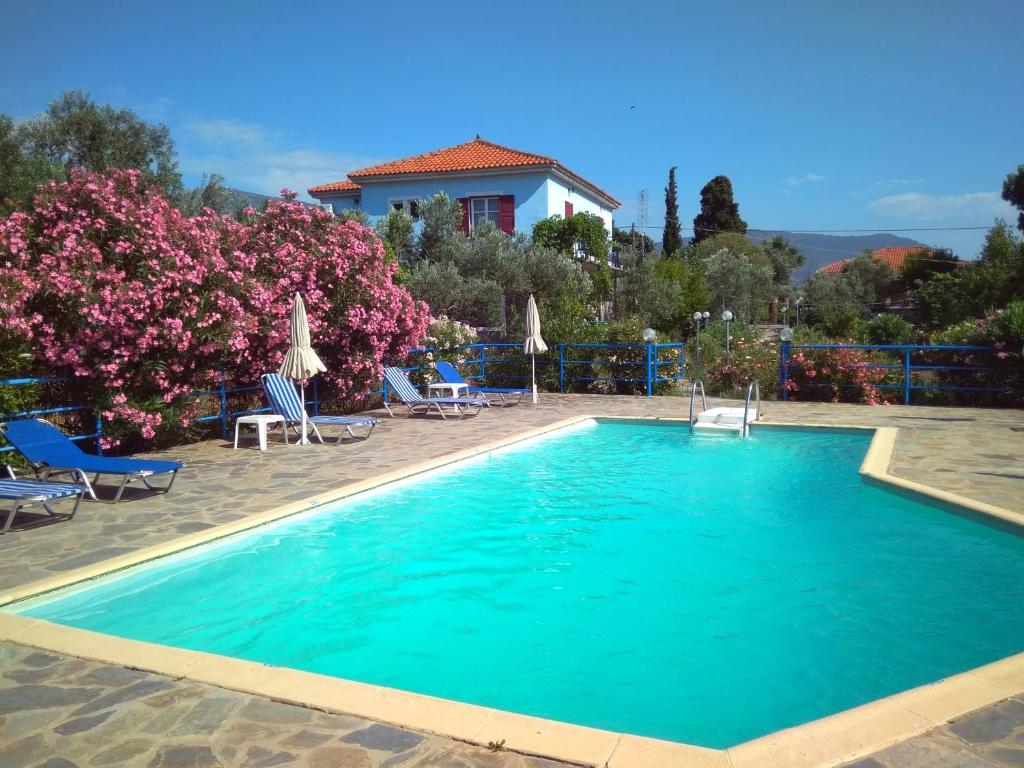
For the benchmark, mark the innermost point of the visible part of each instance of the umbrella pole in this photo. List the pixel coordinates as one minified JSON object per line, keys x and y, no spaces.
{"x":304,"y":439}
{"x":533,"y":376}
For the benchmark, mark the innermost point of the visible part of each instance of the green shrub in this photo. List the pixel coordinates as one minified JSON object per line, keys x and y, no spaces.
{"x":887,"y":329}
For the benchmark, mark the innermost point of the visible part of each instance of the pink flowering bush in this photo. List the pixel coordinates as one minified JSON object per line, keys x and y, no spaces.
{"x":837,"y":375}
{"x":358,"y":316}
{"x":751,"y":358}
{"x":1000,"y":366}
{"x":110,"y":284}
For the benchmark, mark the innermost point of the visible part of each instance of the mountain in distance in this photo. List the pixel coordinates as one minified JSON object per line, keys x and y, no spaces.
{"x":819,"y":250}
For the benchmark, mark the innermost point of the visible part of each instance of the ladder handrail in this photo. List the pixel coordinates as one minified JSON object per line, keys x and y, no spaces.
{"x":693,"y":395}
{"x":754,"y":386}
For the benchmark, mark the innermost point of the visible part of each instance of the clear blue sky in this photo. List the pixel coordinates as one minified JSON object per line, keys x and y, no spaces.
{"x":867,"y":114}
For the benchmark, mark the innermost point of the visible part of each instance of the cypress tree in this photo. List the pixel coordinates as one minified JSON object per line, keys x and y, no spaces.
{"x":672,"y":237}
{"x":718,"y":211}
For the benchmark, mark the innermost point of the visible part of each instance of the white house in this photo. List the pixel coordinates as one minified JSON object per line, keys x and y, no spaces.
{"x":514,"y":189}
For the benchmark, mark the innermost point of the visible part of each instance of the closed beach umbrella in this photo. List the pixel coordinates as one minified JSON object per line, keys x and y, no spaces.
{"x":301,"y":361}
{"x":534,"y":344}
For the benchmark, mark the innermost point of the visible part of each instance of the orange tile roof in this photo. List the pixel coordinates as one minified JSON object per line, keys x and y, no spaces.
{"x":475,"y":155}
{"x":336,"y":186}
{"x":896,"y":258}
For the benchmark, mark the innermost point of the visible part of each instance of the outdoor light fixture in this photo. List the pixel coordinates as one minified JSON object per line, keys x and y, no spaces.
{"x":697,"y":317}
{"x":649,"y":335}
{"x":786,"y":334}
{"x":727,"y":317}
{"x":706,"y":315}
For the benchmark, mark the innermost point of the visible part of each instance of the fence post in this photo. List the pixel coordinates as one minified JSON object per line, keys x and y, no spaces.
{"x":784,"y":369}
{"x":316,"y":398}
{"x":649,"y":387}
{"x":682,"y":361}
{"x":483,"y":365}
{"x":656,"y":363}
{"x":906,"y":376}
{"x":223,"y":408}
{"x":561,"y":368}
{"x":99,"y":435}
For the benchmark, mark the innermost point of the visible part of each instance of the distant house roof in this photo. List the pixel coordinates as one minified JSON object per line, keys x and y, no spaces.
{"x":896,"y":258}
{"x":336,"y":186}
{"x":475,"y":155}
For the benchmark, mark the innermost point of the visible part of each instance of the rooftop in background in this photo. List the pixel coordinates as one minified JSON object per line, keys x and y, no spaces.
{"x":896,"y":258}
{"x":474,"y":155}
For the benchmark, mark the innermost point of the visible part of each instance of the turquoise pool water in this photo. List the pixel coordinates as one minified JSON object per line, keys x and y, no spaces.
{"x":617,"y":575}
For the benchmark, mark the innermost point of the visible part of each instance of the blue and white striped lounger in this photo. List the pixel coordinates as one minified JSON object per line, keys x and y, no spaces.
{"x":284,"y":400}
{"x":399,"y":384}
{"x":25,"y":493}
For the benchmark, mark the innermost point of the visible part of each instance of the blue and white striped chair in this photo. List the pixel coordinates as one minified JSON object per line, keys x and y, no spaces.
{"x":25,"y":493}
{"x":399,"y":384}
{"x":284,"y":400}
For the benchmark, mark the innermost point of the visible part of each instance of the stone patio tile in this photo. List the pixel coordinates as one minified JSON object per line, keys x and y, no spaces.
{"x":991,"y":724}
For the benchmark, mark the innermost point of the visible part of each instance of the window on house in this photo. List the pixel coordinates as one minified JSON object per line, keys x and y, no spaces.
{"x":484,"y":209}
{"x":410,"y":206}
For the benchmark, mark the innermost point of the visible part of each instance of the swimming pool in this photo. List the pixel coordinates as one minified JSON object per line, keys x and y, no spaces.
{"x":620,"y":575}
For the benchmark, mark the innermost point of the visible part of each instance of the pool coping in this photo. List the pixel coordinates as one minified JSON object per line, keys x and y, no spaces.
{"x":837,"y":738}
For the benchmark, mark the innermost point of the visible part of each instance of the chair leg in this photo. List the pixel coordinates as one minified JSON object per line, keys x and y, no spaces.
{"x":123,"y":485}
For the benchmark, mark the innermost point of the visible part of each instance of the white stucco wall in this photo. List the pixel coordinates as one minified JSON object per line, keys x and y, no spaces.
{"x":558,"y":194}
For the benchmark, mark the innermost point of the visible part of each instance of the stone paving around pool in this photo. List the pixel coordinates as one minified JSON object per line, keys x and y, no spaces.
{"x":59,"y":712}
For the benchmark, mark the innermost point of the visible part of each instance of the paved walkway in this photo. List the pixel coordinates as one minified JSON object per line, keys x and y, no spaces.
{"x":61,"y":712}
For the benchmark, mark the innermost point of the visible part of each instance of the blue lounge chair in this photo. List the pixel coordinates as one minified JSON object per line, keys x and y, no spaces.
{"x":399,"y":384}
{"x":25,"y":493}
{"x":50,"y":453}
{"x":284,"y":400}
{"x":450,"y":374}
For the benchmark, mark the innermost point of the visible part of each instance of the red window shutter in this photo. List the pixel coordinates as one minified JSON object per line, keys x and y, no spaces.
{"x":568,"y":209}
{"x":507,"y":214}
{"x":464,"y":202}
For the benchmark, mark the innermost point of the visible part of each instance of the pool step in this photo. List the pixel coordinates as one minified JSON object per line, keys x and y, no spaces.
{"x":725,"y":419}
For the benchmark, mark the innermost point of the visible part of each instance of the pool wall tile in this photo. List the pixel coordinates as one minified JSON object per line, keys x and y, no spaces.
{"x":789,"y":748}
{"x":862,"y":730}
{"x":633,"y":751}
{"x":549,"y":738}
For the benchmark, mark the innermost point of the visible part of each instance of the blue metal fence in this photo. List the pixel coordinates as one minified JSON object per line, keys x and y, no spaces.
{"x":904,"y":353}
{"x":576,"y":364}
{"x":653,"y":361}
{"x":224,"y":415}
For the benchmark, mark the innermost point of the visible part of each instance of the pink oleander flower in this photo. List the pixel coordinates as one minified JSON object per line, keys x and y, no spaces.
{"x":112,"y":284}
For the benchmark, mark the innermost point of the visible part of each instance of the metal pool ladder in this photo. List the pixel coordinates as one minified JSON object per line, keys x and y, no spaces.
{"x":723,"y":419}
{"x":703,"y":400}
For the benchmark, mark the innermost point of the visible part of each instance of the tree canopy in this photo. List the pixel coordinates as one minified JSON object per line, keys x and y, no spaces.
{"x":718,"y":211}
{"x":672,"y":236}
{"x":1013,"y":192}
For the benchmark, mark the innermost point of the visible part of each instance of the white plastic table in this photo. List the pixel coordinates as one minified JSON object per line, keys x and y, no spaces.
{"x":455,"y":390}
{"x":260,"y":422}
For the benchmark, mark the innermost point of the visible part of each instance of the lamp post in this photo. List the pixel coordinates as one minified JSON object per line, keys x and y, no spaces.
{"x":649,"y":335}
{"x":697,"y":316}
{"x":727,"y":317}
